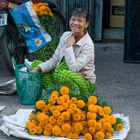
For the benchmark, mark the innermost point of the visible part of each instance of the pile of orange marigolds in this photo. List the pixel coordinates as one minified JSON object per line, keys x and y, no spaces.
{"x":42,"y":9}
{"x":64,"y":116}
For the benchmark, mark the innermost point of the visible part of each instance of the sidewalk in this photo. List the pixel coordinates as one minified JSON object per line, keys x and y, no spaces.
{"x":117,"y":81}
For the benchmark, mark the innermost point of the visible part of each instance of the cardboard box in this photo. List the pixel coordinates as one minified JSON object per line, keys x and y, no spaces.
{"x":117,"y":12}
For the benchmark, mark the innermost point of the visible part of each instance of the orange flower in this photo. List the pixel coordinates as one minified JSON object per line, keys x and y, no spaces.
{"x":47,"y":132}
{"x":92,"y":100}
{"x":74,"y":100}
{"x":66,"y":115}
{"x":92,"y":108}
{"x":52,"y":120}
{"x":80,"y":103}
{"x":73,"y":106}
{"x":56,"y":130}
{"x":66,"y":127}
{"x":40,"y":104}
{"x":32,"y":116}
{"x":66,"y":97}
{"x":60,"y":100}
{"x":108,"y":135}
{"x":48,"y":126}
{"x":100,"y":135}
{"x":120,"y":126}
{"x":65,"y":106}
{"x":64,"y":90}
{"x":75,"y":136}
{"x":98,"y":126}
{"x":42,"y":117}
{"x":92,"y":122}
{"x":56,"y":113}
{"x":54,"y":95}
{"x":107,"y":125}
{"x":59,"y":108}
{"x":107,"y":110}
{"x":39,"y":130}
{"x":92,"y":130}
{"x":78,"y":127}
{"x":87,"y":136}
{"x":91,"y":115}
{"x":76,"y":117}
{"x":69,"y":135}
{"x":112,"y":120}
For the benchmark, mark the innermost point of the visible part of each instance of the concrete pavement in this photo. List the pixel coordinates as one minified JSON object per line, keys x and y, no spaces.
{"x":117,"y":81}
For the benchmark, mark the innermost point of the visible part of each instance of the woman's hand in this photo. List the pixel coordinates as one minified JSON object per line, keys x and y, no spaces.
{"x":71,"y":41}
{"x":37,"y":69}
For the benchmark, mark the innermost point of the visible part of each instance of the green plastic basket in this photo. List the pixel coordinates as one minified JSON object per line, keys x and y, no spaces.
{"x":29,"y":87}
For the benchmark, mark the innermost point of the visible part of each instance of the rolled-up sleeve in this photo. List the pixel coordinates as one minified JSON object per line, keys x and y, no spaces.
{"x":51,"y":63}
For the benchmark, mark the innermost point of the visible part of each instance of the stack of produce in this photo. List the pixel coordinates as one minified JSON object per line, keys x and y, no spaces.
{"x":66,"y":115}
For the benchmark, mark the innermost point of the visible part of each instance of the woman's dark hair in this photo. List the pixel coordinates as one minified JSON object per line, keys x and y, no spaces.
{"x":80,"y":12}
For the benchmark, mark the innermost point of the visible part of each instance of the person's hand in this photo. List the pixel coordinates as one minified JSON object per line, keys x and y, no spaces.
{"x":37,"y":69}
{"x":71,"y":41}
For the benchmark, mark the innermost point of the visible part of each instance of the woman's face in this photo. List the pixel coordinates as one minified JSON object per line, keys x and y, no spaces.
{"x":78,"y":24}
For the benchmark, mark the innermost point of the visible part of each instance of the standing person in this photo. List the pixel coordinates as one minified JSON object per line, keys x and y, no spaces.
{"x":73,"y":60}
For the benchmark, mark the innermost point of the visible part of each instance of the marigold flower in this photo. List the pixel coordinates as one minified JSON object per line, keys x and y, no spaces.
{"x":59,"y":108}
{"x":91,"y":115}
{"x":74,"y":100}
{"x":32,"y":116}
{"x":56,"y":130}
{"x":76,"y":117}
{"x":42,"y":117}
{"x":69,"y":135}
{"x":73,"y":106}
{"x":85,"y":130}
{"x":64,"y":90}
{"x":54,"y":95}
{"x":83,"y":116}
{"x":48,"y":126}
{"x":87,"y":136}
{"x":101,"y":113}
{"x":52,"y":108}
{"x":108,"y":135}
{"x":60,"y":100}
{"x":107,"y":125}
{"x":92,"y":122}
{"x":102,"y":120}
{"x":119,"y":126}
{"x":66,"y":115}
{"x":100,"y":135}
{"x":107,"y":110}
{"x":78,"y":126}
{"x":92,"y":108}
{"x":92,"y":100}
{"x":39,"y":130}
{"x":47,"y":132}
{"x":92,"y":130}
{"x":52,"y":120}
{"x":112,"y":120}
{"x":40,"y":104}
{"x":70,"y":110}
{"x":98,"y":126}
{"x":65,"y":106}
{"x":32,"y":131}
{"x":56,"y":113}
{"x":66,"y":127}
{"x":75,"y":136}
{"x":66,"y":97}
{"x":80,"y":103}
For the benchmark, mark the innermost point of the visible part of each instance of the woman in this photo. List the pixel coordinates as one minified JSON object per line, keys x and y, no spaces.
{"x":73,"y":60}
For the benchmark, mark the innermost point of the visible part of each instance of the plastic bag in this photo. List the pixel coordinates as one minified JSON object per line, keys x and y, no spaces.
{"x":29,"y":26}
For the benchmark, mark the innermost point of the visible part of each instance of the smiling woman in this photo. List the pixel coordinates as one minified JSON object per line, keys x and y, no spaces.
{"x":73,"y":60}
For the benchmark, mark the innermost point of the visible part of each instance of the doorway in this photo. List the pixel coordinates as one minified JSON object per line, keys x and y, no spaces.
{"x":113,"y":20}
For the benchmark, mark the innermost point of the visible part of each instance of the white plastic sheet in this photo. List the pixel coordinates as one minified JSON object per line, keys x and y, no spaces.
{"x":15,"y":125}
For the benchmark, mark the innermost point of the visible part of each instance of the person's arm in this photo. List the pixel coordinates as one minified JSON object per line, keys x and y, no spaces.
{"x":51,"y":63}
{"x":76,"y":64}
